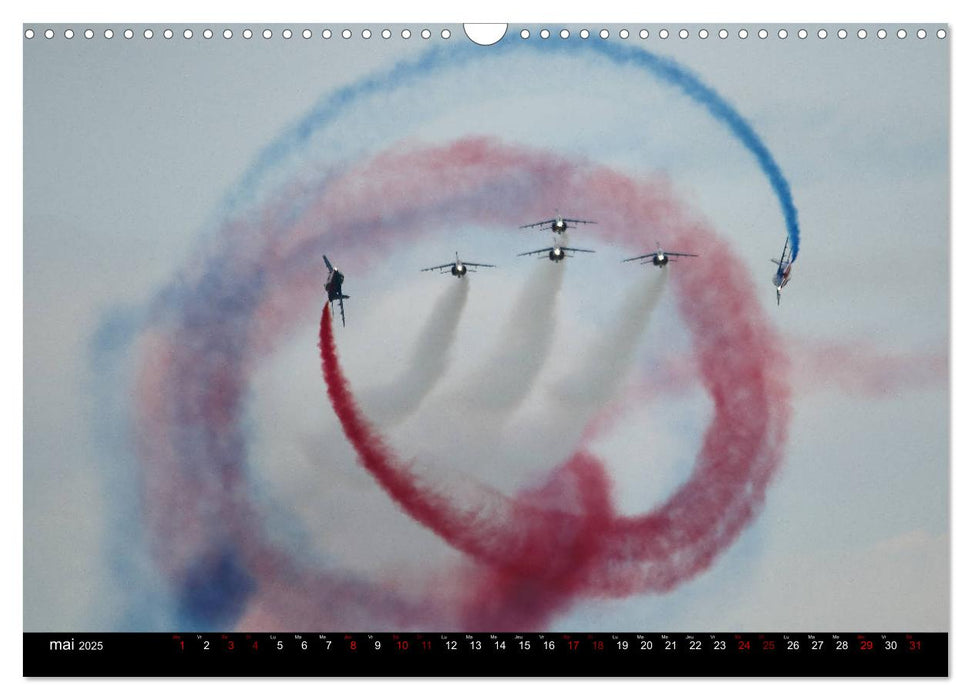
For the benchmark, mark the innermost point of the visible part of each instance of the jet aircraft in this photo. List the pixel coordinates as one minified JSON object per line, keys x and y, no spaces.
{"x":335,"y":278}
{"x":781,"y":277}
{"x":557,"y":252}
{"x":659,"y":258}
{"x":558,"y":224}
{"x":457,"y":268}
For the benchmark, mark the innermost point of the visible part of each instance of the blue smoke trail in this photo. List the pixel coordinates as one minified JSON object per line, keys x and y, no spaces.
{"x":406,"y":72}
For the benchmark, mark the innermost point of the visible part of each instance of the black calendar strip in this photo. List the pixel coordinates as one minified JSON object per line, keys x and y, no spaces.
{"x":484,"y":654}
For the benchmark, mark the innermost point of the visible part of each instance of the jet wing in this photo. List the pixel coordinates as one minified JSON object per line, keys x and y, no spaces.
{"x":327,"y":263}
{"x":539,"y":223}
{"x":579,"y":221}
{"x":343,"y":322}
{"x":680,"y":255}
{"x":577,"y":250}
{"x":651,"y":256}
{"x":437,"y":267}
{"x":534,"y":252}
{"x":468,"y":264}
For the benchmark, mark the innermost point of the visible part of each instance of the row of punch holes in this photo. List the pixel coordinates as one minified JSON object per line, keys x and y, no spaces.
{"x":447,"y":33}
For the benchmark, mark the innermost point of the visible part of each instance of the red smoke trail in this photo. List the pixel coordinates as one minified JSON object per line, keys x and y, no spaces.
{"x":525,"y":580}
{"x":252,"y":292}
{"x":512,"y":534}
{"x":743,"y":372}
{"x":595,"y":551}
{"x":855,"y":368}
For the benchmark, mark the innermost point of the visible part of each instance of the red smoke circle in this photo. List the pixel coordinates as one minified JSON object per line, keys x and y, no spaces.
{"x":244,"y":295}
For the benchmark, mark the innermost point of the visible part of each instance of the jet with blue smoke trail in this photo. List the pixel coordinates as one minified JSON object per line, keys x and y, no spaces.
{"x":781,"y":277}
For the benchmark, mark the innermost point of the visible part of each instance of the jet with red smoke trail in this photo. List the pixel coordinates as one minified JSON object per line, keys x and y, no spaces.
{"x":557,"y":252}
{"x":558,"y":224}
{"x":457,"y":268}
{"x":660,"y":257}
{"x":781,"y":277}
{"x":335,"y":279}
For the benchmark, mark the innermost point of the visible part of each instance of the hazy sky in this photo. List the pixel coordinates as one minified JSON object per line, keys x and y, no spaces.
{"x":136,"y":151}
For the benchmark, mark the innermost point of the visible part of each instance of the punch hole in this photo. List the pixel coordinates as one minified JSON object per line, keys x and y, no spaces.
{"x":941,"y":34}
{"x":50,"y":33}
{"x":544,"y":34}
{"x":187,"y":34}
{"x":29,"y":34}
{"x":267,"y":33}
{"x":227,"y":33}
{"x":921,"y":33}
{"x":366,"y":33}
{"x":861,"y":33}
{"x":207,"y":34}
{"x":447,"y":33}
{"x":803,"y":33}
{"x":306,"y":34}
{"x":663,"y":33}
{"x":703,"y":33}
{"x":385,"y":34}
{"x":604,"y":34}
{"x":524,"y":34}
{"x":644,"y":34}
{"x":901,"y":33}
{"x":287,"y":33}
{"x":168,"y":34}
{"x":68,"y":33}
{"x":426,"y":34}
{"x":623,"y":33}
{"x":109,"y":34}
{"x":783,"y":34}
{"x":743,"y":33}
{"x":148,"y":34}
{"x":821,"y":33}
{"x":483,"y":34}
{"x":683,"y":34}
{"x":722,"y":33}
{"x":247,"y":33}
{"x":327,"y":34}
{"x":763,"y":34}
{"x":89,"y":34}
{"x":564,"y":33}
{"x":882,"y":34}
{"x":405,"y":33}
{"x":346,"y":34}
{"x":841,"y":33}
{"x":584,"y":33}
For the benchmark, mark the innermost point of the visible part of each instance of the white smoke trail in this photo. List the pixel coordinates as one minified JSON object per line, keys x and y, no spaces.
{"x":429,"y":360}
{"x":509,"y":374}
{"x":461,"y":429}
{"x":607,"y":362}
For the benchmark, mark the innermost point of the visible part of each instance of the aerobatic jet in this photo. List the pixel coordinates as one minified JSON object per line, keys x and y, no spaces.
{"x":660,"y":257}
{"x":457,"y":268}
{"x":781,"y":277}
{"x":335,"y":278}
{"x":558,"y":224}
{"x":557,"y":252}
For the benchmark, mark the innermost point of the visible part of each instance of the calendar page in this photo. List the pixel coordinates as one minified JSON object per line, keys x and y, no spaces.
{"x":382,"y":349}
